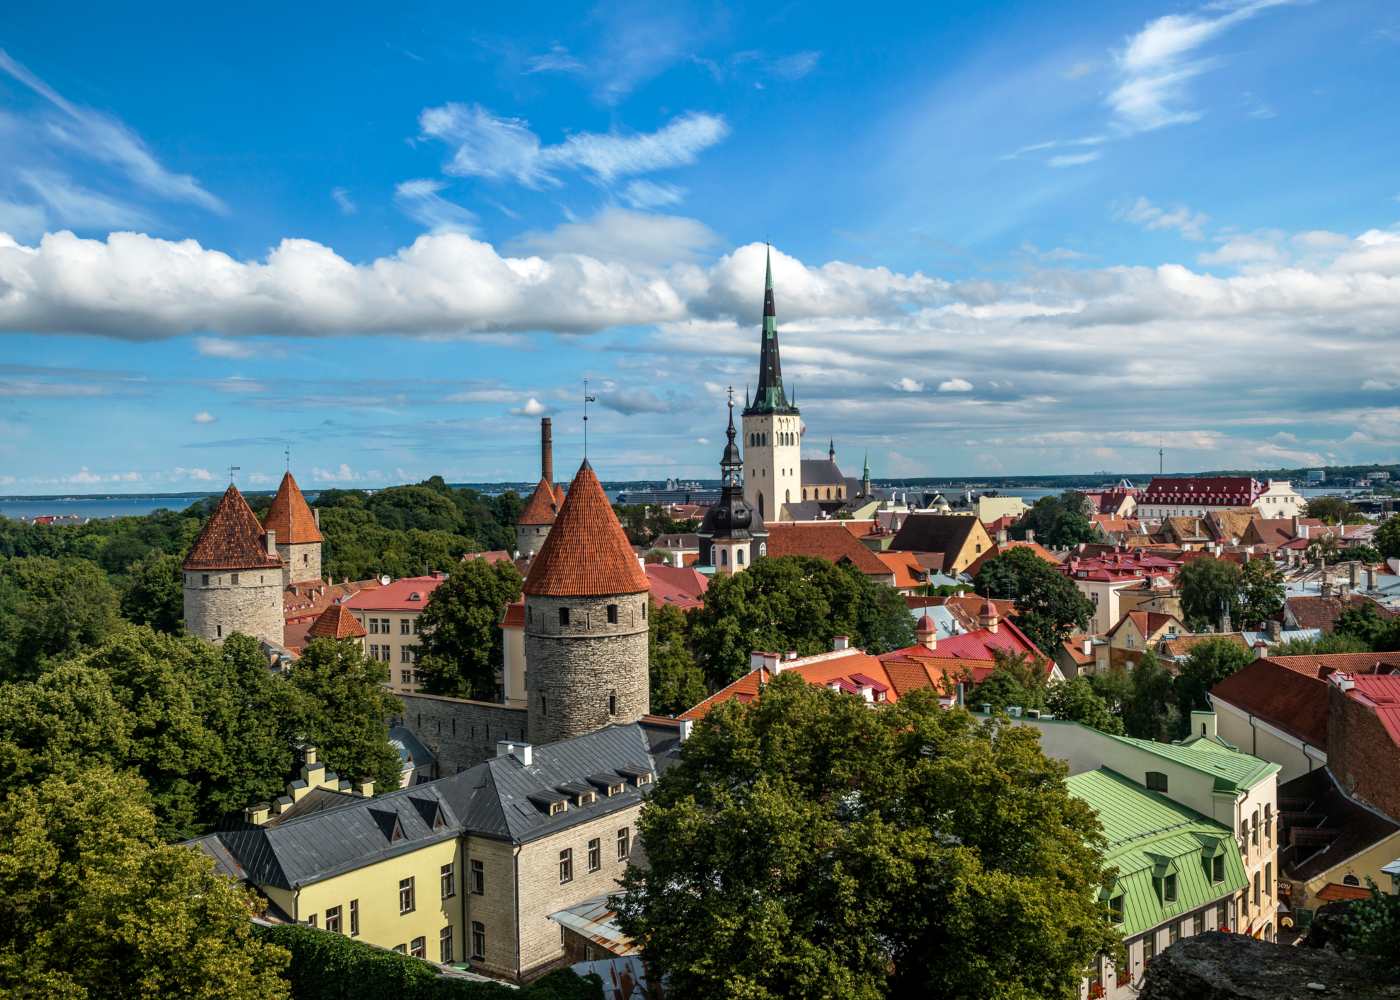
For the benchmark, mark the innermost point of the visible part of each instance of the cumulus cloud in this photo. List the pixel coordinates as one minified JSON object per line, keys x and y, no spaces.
{"x":955,"y":385}
{"x":204,"y":417}
{"x":340,"y":474}
{"x":485,"y":145}
{"x":532,"y":407}
{"x":907,"y":384}
{"x":622,"y":235}
{"x":198,"y":475}
{"x":631,"y":401}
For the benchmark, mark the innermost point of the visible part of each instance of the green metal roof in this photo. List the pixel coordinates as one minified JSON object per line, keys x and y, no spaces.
{"x":1233,"y":770}
{"x":1150,"y":837}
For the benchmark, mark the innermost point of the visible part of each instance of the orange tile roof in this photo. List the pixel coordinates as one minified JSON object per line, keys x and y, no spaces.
{"x":232,"y":538}
{"x":514,"y":616}
{"x":822,"y":669}
{"x":586,"y":554}
{"x":999,"y":547}
{"x":1334,"y":891}
{"x":543,"y":505}
{"x":830,"y":541}
{"x":336,"y":622}
{"x":290,"y":516}
{"x":905,"y":567}
{"x":911,"y":671}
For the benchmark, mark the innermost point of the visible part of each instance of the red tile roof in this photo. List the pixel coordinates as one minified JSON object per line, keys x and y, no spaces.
{"x":1148,"y":623}
{"x":514,"y":616}
{"x":409,"y":594}
{"x":336,"y":622}
{"x":841,"y":667}
{"x":543,"y":505}
{"x":1218,"y":491}
{"x":587,"y":553}
{"x":1333,"y":891}
{"x":304,"y":601}
{"x":1322,"y":664}
{"x":998,"y":548}
{"x":830,"y":541}
{"x":1383,"y":694}
{"x":917,"y":667}
{"x":908,"y":574}
{"x":980,"y":644}
{"x":290,"y":516}
{"x":492,"y":557}
{"x":232,"y":538}
{"x":1287,"y":699}
{"x":683,"y":587}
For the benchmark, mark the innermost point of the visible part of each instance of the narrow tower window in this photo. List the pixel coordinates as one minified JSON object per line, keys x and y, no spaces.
{"x":563,"y":616}
{"x":612,"y":614}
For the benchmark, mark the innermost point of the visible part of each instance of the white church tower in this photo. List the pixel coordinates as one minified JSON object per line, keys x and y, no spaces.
{"x":772,"y":427}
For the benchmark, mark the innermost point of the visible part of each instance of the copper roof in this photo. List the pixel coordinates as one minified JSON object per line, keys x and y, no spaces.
{"x":587,"y":553}
{"x":290,"y":515}
{"x":232,"y":538}
{"x":336,"y":622}
{"x":543,"y":505}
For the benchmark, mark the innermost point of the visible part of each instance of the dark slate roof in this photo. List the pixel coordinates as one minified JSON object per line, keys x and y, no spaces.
{"x":821,"y":472}
{"x":945,"y":533}
{"x":806,"y":510}
{"x":497,"y":798}
{"x":314,"y":801}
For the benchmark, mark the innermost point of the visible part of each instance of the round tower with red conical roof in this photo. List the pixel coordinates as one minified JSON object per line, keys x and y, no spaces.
{"x":233,"y":576}
{"x":585,"y":621}
{"x":296,"y":531}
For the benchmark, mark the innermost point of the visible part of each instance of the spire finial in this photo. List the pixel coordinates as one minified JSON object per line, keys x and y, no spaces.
{"x":231,"y":470}
{"x":586,"y":400}
{"x":768,"y":268}
{"x":287,"y":454}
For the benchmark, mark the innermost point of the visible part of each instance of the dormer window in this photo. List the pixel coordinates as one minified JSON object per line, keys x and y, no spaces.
{"x":644,"y":779}
{"x":1115,"y":908}
{"x":1156,"y":781}
{"x":586,"y":799}
{"x":555,"y":808}
{"x":616,"y":789}
{"x":1217,"y":868}
{"x":1169,"y":888}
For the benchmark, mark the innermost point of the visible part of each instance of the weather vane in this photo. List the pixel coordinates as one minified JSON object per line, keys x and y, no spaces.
{"x":287,"y":454}
{"x":231,"y":470}
{"x":586,"y":400}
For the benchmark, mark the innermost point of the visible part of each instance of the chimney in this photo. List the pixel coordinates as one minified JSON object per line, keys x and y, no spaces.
{"x":841,"y":642}
{"x":271,"y":542}
{"x":1275,"y":631}
{"x":547,"y":450}
{"x":1002,"y":536}
{"x":1261,"y":650}
{"x":791,"y":654}
{"x":926,"y":632}
{"x":765,"y":661}
{"x":522,"y":752}
{"x":316,"y":515}
{"x":1354,"y":571}
{"x":257,"y":814}
{"x":687,"y":725}
{"x":308,"y":756}
{"x":1030,"y":534}
{"x":1343,"y":681}
{"x":1203,"y":724}
{"x":1370,"y":578}
{"x":1088,"y":645}
{"x":365,"y":789}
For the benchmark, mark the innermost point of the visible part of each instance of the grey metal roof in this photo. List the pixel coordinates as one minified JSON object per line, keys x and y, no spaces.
{"x":821,"y":472}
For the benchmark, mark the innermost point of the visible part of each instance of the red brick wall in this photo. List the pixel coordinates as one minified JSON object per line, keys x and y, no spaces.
{"x":1361,"y":753}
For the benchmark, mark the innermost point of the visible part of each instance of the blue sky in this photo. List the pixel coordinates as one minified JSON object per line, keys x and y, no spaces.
{"x":1008,"y":238}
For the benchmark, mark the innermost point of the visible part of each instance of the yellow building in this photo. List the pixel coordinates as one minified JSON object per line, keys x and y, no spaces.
{"x":465,"y":869}
{"x":390,"y":615}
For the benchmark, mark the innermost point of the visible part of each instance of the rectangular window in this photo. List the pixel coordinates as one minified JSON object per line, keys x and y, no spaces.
{"x":449,"y":882}
{"x":1115,"y":908}
{"x":406,"y":895}
{"x":1217,"y":868}
{"x":417,"y":626}
{"x":563,"y":616}
{"x":1254,"y":829}
{"x":354,"y":918}
{"x":1222,"y":916}
{"x":624,"y":843}
{"x":566,"y":865}
{"x":595,"y":854}
{"x":445,"y":944}
{"x":206,"y":579}
{"x":1268,"y":878}
{"x":612,"y":613}
{"x":478,"y":940}
{"x":405,"y":676}
{"x":333,"y":920}
{"x":1169,"y":889}
{"x":1149,"y":948}
{"x":311,"y":920}
{"x":419,"y":948}
{"x":404,"y":626}
{"x":233,"y":579}
{"x":405,"y":655}
{"x":478,"y":878}
{"x":1198,"y":923}
{"x":1173,"y":933}
{"x":402,"y":949}
{"x":1256,"y":888}
{"x":1156,"y":781}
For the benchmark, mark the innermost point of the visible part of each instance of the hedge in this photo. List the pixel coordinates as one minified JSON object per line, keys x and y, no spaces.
{"x":327,"y":966}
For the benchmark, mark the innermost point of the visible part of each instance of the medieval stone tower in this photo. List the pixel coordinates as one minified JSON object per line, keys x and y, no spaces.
{"x":233,"y":576}
{"x":772,"y":427}
{"x":297,"y":530}
{"x":537,"y":517}
{"x":585,"y":621}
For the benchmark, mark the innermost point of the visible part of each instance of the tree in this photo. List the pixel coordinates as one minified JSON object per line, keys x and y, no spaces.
{"x":91,"y":904}
{"x":1016,"y":679}
{"x":677,"y":682}
{"x":50,"y":609}
{"x":1209,"y":588}
{"x":805,"y":846}
{"x":1335,"y":642}
{"x":1261,"y":592}
{"x":1388,"y":537}
{"x":1333,"y":510}
{"x":461,"y":648}
{"x":1076,"y":699}
{"x":154,"y":593}
{"x":1151,"y":712}
{"x":1049,"y":606}
{"x":346,"y":710}
{"x":1362,"y":623}
{"x":1059,"y":522}
{"x":1209,"y":663}
{"x":793,"y":603}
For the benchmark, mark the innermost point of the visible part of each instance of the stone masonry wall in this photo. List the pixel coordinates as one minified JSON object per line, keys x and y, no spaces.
{"x":221,"y":607}
{"x":1361,"y":753}
{"x":460,"y":733}
{"x":301,"y":563}
{"x":530,"y":537}
{"x":571,"y":671}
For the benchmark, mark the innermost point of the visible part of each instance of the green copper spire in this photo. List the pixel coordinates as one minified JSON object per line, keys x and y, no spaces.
{"x":770,"y":397}
{"x":865,"y":472}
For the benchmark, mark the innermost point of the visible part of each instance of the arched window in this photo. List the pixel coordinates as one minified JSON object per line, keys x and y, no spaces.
{"x":787,"y":496}
{"x":762,"y":548}
{"x":724,"y":557}
{"x":739,"y":556}
{"x":1351,"y":880}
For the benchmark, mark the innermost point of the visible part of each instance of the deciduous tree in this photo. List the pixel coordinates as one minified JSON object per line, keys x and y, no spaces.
{"x":1049,"y":606}
{"x":1261,"y":592}
{"x":460,"y":651}
{"x":1209,"y":588}
{"x":49,"y":609}
{"x":154,"y":594}
{"x":1076,"y":699}
{"x":346,"y":710}
{"x":677,"y":682}
{"x":1388,"y":537}
{"x":1208,"y":664}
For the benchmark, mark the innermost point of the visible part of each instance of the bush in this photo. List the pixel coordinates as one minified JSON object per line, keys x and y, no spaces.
{"x":327,"y":966}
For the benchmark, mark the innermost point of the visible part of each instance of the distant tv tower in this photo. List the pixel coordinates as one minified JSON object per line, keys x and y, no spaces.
{"x":1161,"y":459}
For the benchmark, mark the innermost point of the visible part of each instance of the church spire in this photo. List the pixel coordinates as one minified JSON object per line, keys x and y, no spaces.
{"x":731,"y":461}
{"x":770,"y":397}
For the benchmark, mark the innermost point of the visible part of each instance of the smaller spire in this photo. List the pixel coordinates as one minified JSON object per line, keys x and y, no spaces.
{"x":831,"y":449}
{"x":865,"y":471}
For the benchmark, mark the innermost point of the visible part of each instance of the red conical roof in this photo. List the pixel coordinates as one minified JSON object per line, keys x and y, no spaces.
{"x":290,"y":515}
{"x":586,"y":553}
{"x":336,"y":622}
{"x":543,"y":505}
{"x":232,"y":539}
{"x":924,"y":625}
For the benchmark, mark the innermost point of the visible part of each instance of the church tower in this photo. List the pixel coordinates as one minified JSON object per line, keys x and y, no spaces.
{"x":730,"y":536}
{"x":772,"y":427}
{"x":586,"y":600}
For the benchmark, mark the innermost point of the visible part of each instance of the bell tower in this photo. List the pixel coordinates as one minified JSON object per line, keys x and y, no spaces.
{"x":772,"y":427}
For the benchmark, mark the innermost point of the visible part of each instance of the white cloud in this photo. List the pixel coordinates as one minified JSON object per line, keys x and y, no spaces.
{"x":1181,"y":219}
{"x":71,"y":204}
{"x":1378,"y":385}
{"x":532,"y":407}
{"x":556,"y":60}
{"x":648,"y":194}
{"x":421,"y":201}
{"x":204,"y":417}
{"x":795,"y":66}
{"x":1074,"y":159}
{"x":955,"y":385}
{"x":485,"y":145}
{"x":1244,"y":250}
{"x":218,"y":347}
{"x":343,"y":201}
{"x":107,"y":140}
{"x":619,"y":234}
{"x":907,"y":384}
{"x":24,"y":221}
{"x":341,"y":474}
{"x":631,"y":401}
{"x":199,"y":475}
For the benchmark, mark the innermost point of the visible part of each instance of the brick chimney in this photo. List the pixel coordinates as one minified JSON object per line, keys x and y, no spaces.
{"x":547,"y":450}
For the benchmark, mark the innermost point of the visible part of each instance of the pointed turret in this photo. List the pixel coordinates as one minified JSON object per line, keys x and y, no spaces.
{"x":769,"y":397}
{"x":296,"y":529}
{"x":587,"y":552}
{"x":233,"y":576}
{"x":232,"y":538}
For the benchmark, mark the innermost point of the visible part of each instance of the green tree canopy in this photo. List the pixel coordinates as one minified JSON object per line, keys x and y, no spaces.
{"x":1049,"y":606}
{"x":1151,"y":711}
{"x":1261,"y":592}
{"x":1076,"y":699}
{"x":49,"y":609}
{"x":1209,"y":587}
{"x":1208,"y":664}
{"x":1334,"y":510}
{"x":346,"y":708}
{"x":1059,"y":522}
{"x":793,"y":603}
{"x":677,"y":682}
{"x":1016,"y":679}
{"x":806,"y":846}
{"x":154,"y":593}
{"x":460,"y":650}
{"x":1388,"y":537}
{"x":92,"y":905}
{"x":1363,"y":624}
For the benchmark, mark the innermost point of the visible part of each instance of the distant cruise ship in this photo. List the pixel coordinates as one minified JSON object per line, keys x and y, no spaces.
{"x":675,"y":491}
